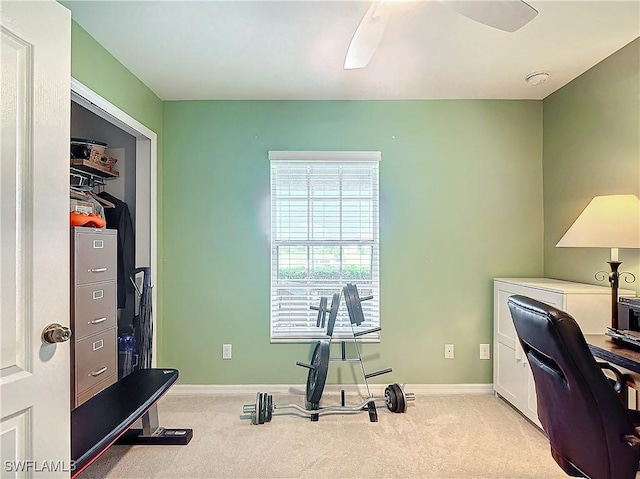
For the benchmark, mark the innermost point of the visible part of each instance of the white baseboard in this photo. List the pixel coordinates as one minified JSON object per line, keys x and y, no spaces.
{"x":376,"y":389}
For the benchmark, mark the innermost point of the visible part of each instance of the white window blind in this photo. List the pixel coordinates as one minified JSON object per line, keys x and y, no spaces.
{"x":324,"y":234}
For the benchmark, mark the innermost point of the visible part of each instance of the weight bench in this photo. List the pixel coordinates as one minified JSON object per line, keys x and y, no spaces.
{"x":108,"y":416}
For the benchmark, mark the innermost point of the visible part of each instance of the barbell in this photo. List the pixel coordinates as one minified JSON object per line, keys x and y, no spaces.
{"x":395,"y":399}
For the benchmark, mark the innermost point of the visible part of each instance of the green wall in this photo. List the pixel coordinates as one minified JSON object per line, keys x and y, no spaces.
{"x":461,"y":203}
{"x":93,"y":66}
{"x":96,"y":68}
{"x":591,"y":147}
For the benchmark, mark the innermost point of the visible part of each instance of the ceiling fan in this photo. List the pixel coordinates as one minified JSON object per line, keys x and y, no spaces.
{"x":507,"y":15}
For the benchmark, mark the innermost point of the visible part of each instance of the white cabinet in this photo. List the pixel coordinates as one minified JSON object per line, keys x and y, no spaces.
{"x":589,"y":305}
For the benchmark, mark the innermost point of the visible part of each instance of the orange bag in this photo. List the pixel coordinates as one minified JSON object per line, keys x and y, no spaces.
{"x":87,"y":219}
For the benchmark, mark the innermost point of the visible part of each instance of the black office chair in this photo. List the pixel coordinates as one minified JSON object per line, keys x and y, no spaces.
{"x":591,"y":432}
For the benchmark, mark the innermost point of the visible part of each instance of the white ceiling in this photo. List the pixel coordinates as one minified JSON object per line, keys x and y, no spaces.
{"x":188,"y":50}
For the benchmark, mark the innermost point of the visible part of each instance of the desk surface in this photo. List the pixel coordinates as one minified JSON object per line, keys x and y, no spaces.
{"x":604,"y":347}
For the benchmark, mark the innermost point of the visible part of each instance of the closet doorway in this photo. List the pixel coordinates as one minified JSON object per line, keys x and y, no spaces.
{"x":138,"y":184}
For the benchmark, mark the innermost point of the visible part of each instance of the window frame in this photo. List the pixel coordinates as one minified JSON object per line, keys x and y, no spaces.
{"x":372,"y":308}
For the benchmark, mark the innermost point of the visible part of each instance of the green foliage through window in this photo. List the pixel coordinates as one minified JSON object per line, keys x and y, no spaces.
{"x":349,"y":273}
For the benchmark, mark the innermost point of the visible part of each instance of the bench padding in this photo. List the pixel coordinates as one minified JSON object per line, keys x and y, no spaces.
{"x":97,"y":424}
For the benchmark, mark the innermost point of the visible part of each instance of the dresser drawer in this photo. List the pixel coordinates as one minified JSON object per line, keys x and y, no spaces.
{"x":95,"y":359}
{"x":96,"y":258}
{"x":95,"y":309}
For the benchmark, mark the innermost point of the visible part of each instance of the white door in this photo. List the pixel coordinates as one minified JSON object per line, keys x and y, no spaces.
{"x":34,"y":238}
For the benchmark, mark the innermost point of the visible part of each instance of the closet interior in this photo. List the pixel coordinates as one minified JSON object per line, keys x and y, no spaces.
{"x":110,"y":285}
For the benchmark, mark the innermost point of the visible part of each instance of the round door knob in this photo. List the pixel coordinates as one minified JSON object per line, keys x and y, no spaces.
{"x":56,"y":333}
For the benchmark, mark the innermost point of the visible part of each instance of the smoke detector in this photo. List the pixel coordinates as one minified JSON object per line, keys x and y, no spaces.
{"x":536,"y":78}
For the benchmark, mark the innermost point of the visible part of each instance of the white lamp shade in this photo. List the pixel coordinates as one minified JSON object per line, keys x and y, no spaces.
{"x":611,"y":221}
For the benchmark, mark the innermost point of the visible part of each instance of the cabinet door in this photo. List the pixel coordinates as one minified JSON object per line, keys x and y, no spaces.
{"x":507,"y":367}
{"x":504,"y":331}
{"x":508,"y":374}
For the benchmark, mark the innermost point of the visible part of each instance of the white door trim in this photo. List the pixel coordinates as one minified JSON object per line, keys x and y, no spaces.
{"x":147,"y":155}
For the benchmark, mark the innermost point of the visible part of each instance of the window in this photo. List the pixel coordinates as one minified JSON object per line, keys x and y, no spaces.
{"x":324,"y":234}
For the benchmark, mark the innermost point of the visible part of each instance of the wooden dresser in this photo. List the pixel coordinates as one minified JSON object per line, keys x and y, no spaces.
{"x":94,"y":354}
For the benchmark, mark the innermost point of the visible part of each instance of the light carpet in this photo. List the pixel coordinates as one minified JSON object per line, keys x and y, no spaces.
{"x":439,"y":437}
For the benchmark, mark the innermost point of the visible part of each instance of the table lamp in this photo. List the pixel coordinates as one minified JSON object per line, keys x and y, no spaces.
{"x":611,"y":221}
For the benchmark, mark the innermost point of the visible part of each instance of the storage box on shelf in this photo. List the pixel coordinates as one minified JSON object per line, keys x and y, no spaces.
{"x":93,"y":312}
{"x":589,"y":305}
{"x":83,"y":165}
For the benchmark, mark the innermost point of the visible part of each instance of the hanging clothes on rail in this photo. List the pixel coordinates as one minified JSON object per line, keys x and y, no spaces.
{"x":84,"y":195}
{"x":119,"y":218}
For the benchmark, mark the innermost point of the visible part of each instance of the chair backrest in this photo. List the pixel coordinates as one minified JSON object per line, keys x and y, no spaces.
{"x":580,"y":412}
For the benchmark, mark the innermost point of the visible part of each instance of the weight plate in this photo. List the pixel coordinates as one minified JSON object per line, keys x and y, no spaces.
{"x":255,"y":415}
{"x":352,"y":300}
{"x":373,"y":412}
{"x":261,"y":409}
{"x":333,"y":314}
{"x":390,"y":398}
{"x":402,"y":400}
{"x":269,"y":408}
{"x":318,"y":375}
{"x":357,"y":306}
{"x":348,"y":301}
{"x":265,"y":407}
{"x":322,"y":311}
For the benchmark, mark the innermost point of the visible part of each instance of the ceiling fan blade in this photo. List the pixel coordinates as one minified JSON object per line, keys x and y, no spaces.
{"x":507,"y":15}
{"x":367,"y":37}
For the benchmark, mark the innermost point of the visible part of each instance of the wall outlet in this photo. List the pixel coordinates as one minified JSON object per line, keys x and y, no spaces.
{"x":448,"y":351}
{"x":226,"y":351}
{"x":485,"y":351}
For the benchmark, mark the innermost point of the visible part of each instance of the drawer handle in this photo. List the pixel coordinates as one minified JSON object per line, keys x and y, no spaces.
{"x":97,"y":270}
{"x":98,"y":244}
{"x":98,"y":372}
{"x":97,"y":321}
